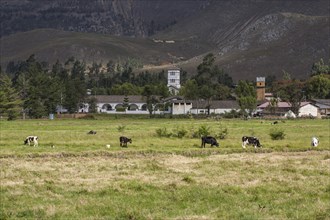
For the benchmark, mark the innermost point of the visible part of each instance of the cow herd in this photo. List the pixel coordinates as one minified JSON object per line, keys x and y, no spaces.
{"x":245,"y":141}
{"x":205,"y":140}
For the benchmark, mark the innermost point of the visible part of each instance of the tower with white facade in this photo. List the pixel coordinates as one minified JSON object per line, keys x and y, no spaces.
{"x":173,"y":80}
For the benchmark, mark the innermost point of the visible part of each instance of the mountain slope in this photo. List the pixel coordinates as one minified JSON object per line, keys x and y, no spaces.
{"x":249,"y":38}
{"x":273,"y":44}
{"x":50,"y":45}
{"x":115,"y":17}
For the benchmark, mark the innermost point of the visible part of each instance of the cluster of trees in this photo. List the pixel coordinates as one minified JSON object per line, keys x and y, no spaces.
{"x":296,"y":91}
{"x":211,"y":82}
{"x":41,"y":90}
{"x":32,"y":87}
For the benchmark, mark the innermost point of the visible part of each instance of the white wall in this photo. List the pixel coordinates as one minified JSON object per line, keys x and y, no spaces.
{"x":308,"y":110}
{"x":212,"y":111}
{"x":181,"y":108}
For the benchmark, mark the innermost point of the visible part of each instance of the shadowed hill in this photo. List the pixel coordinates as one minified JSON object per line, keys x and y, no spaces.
{"x":249,"y":38}
{"x":50,"y":44}
{"x":271,"y":44}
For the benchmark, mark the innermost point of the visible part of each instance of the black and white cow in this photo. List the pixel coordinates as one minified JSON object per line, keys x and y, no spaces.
{"x":315,"y":142}
{"x":31,"y":139}
{"x":250,"y":141}
{"x":124,"y":140}
{"x":209,"y":140}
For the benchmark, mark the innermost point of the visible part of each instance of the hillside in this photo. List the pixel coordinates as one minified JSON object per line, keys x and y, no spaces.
{"x":50,"y":44}
{"x":273,"y":44}
{"x":115,"y":17}
{"x":249,"y":38}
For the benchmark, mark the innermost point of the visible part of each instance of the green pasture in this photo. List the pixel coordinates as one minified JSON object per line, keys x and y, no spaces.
{"x":163,"y":177}
{"x":71,"y":135}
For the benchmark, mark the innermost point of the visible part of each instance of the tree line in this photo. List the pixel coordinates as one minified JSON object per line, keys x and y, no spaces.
{"x":211,"y":82}
{"x":36,"y":89}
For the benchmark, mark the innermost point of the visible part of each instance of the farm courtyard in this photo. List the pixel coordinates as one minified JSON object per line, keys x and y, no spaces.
{"x":164,"y":173}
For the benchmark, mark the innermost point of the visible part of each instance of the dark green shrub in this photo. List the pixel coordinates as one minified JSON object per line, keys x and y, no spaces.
{"x":223,"y":133}
{"x":162,"y":132}
{"x":203,"y":130}
{"x":180,"y":132}
{"x":277,"y":134}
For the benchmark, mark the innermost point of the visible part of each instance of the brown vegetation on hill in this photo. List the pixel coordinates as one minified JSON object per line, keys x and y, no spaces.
{"x":249,"y":38}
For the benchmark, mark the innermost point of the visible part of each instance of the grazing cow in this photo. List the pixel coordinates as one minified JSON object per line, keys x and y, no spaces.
{"x":315,"y":142}
{"x":209,"y":140}
{"x":91,"y":132}
{"x":250,"y":140}
{"x":274,"y":123}
{"x":30,"y":139}
{"x":124,"y":140}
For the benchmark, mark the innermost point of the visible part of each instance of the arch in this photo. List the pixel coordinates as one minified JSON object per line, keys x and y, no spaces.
{"x":107,"y":107}
{"x":133,"y":107}
{"x":144,"y":107}
{"x":119,"y":106}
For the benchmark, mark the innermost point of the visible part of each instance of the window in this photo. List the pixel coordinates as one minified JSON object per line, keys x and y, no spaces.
{"x":172,"y":73}
{"x":172,"y":80}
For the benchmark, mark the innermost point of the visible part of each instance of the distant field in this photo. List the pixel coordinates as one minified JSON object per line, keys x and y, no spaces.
{"x":163,"y":178}
{"x":71,"y":135}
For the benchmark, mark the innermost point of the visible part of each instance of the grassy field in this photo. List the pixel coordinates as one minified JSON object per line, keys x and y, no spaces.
{"x":160,"y":177}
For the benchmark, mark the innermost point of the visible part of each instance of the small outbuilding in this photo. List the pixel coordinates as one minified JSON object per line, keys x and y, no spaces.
{"x":283,"y":108}
{"x":308,"y":109}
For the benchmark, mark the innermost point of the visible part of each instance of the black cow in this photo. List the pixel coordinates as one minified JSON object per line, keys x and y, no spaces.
{"x":124,"y":140}
{"x":250,"y":141}
{"x":91,"y":132}
{"x":31,"y":139}
{"x":209,"y":140}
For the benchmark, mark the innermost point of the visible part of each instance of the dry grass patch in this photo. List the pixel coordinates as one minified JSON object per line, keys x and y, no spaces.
{"x":167,"y":186}
{"x":242,"y":170}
